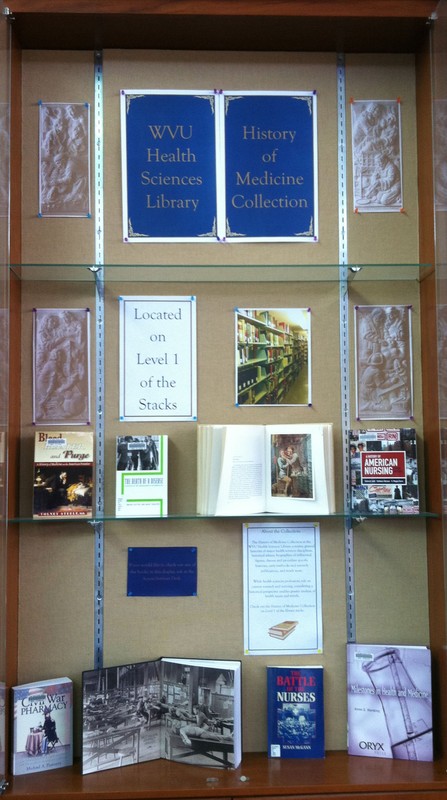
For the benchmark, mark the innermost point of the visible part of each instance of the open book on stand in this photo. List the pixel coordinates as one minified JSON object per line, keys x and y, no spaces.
{"x":186,"y":710}
{"x":254,"y":469}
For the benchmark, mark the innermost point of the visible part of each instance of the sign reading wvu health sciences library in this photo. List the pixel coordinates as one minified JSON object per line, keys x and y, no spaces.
{"x":219,"y":166}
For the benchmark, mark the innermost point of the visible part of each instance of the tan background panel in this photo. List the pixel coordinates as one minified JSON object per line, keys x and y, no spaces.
{"x":389,"y":238}
{"x":232,"y":71}
{"x":390,"y":558}
{"x":216,"y":303}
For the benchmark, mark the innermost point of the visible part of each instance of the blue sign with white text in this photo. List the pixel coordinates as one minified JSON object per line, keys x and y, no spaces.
{"x":216,"y":165}
{"x":270,"y":166}
{"x":162,"y":571}
{"x":169,"y":189}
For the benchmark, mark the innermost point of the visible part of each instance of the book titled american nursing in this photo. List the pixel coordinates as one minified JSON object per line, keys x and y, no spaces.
{"x":384,"y":471}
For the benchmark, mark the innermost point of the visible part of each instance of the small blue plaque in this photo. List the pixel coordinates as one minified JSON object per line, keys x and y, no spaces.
{"x":162,"y":572}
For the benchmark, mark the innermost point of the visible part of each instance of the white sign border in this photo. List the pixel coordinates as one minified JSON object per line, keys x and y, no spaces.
{"x":125,"y":369}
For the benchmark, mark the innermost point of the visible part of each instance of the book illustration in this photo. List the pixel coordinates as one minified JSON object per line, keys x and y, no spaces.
{"x":384,"y":471}
{"x":142,"y":475}
{"x":42,"y":726}
{"x":292,"y":465}
{"x":283,"y":629}
{"x":383,"y":362}
{"x":253,"y":469}
{"x":273,"y":356}
{"x":184,"y":710}
{"x":295,"y":712}
{"x":61,"y":366}
{"x":63,"y":474}
{"x":390,"y":702}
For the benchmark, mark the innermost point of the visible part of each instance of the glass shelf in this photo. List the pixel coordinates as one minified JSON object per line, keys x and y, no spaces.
{"x":356,"y":518}
{"x":186,"y":273}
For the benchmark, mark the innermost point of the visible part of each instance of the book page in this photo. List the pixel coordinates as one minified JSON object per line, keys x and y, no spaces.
{"x":204,"y":701}
{"x":122,"y":714}
{"x":242,"y":481}
{"x":209,"y":459}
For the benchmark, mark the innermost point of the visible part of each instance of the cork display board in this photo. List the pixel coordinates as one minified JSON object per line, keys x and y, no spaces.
{"x":57,"y":558}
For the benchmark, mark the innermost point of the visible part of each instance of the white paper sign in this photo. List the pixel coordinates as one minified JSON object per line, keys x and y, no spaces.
{"x":282,"y":588}
{"x":158,"y":358}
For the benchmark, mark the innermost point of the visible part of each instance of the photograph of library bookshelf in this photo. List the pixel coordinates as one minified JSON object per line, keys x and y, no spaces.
{"x":273,"y":356}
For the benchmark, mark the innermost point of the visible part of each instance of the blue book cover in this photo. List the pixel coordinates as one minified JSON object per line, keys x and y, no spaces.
{"x":295,"y":712}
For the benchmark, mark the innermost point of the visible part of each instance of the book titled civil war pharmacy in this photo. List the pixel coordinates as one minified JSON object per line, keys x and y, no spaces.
{"x":42,"y":726}
{"x":63,"y":475}
{"x":384,"y":471}
{"x":389,"y":699}
{"x":141,"y":476}
{"x":295,"y":712}
{"x":185,"y":710}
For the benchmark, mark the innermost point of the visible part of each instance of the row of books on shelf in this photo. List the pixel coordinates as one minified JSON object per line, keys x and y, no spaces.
{"x":247,"y":333}
{"x":263,"y":356}
{"x":242,"y":470}
{"x":264,"y":316}
{"x":190,"y":710}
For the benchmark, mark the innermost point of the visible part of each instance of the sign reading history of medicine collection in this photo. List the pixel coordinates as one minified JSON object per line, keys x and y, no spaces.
{"x":208,"y":166}
{"x":158,"y":362}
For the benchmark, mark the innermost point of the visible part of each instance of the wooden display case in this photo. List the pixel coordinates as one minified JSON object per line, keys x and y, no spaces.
{"x":53,"y":48}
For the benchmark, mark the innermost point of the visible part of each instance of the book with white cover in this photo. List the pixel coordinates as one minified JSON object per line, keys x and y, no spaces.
{"x":254,"y":469}
{"x":389,"y":696}
{"x":141,"y":476}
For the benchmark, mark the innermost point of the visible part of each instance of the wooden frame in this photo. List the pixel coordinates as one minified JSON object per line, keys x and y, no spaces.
{"x":241,"y":24}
